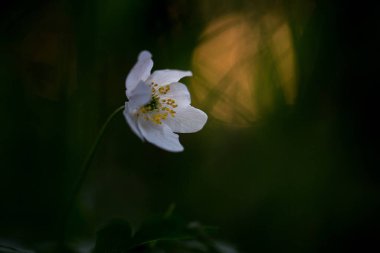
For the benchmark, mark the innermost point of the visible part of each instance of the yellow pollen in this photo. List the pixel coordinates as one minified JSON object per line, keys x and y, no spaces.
{"x":164,"y":89}
{"x":158,"y":110}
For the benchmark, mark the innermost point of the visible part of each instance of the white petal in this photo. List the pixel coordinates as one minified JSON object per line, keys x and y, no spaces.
{"x":140,"y":96}
{"x":178,"y":92}
{"x":160,"y":135}
{"x":131,"y":119}
{"x":187,"y":120}
{"x":143,"y":55}
{"x":167,"y":76}
{"x":139,"y":72}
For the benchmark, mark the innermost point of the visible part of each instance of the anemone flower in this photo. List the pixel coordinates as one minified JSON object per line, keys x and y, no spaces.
{"x":158,"y":105}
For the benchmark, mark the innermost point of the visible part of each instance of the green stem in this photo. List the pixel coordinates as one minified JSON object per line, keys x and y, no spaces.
{"x":86,"y":165}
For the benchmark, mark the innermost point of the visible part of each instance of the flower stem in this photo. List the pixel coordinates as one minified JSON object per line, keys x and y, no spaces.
{"x":86,"y":165}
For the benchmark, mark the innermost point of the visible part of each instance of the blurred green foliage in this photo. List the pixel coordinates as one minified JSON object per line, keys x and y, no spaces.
{"x":301,"y":178}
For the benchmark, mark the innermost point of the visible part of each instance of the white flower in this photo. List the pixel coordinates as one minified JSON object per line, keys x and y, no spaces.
{"x":159,"y":106}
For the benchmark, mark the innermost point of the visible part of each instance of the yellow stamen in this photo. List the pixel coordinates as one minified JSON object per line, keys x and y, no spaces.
{"x":158,"y":109}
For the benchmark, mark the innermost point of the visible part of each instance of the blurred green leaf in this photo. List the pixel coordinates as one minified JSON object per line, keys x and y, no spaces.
{"x":115,"y":237}
{"x":12,"y":247}
{"x":161,"y":228}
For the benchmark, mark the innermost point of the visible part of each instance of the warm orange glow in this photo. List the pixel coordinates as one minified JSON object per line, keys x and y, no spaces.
{"x":283,"y":54}
{"x":234,"y":63}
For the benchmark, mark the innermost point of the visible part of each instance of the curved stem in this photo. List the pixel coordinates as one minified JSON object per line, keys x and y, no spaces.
{"x":86,"y":165}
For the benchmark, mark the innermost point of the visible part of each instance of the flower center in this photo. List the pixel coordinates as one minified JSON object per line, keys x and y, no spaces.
{"x":153,"y":104}
{"x":159,"y":107}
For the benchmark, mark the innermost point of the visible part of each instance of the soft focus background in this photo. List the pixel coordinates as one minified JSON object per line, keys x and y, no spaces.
{"x":286,"y":163}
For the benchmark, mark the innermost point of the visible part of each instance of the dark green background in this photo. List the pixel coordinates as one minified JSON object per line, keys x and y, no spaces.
{"x":304,"y":178}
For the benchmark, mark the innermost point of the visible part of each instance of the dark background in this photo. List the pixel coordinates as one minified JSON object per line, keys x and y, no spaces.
{"x":295,"y":175}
